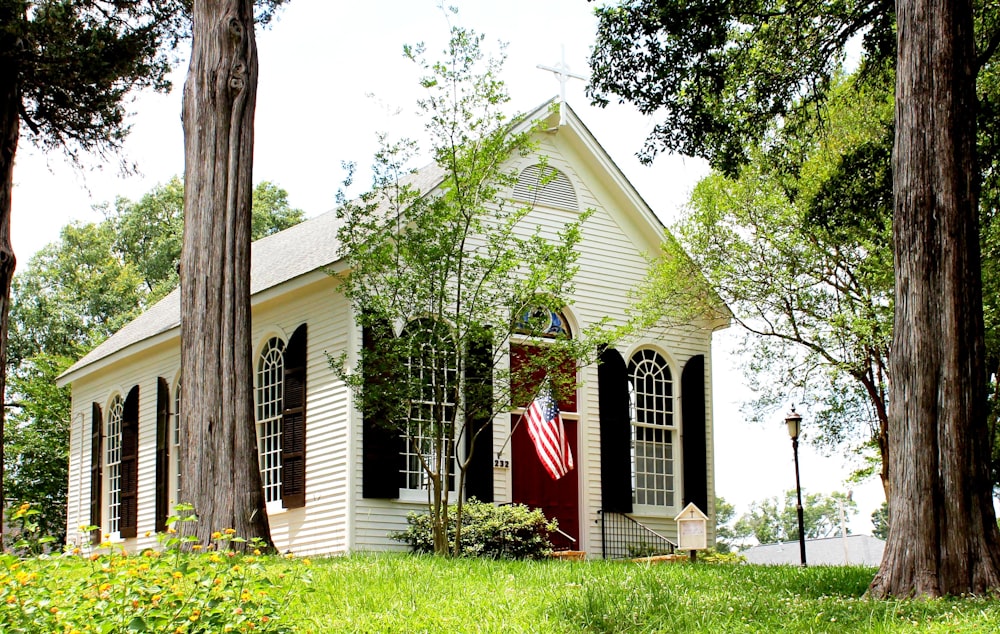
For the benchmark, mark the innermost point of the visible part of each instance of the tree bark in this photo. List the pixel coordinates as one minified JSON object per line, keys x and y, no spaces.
{"x":10,"y":104}
{"x":221,"y":471}
{"x":943,"y":535}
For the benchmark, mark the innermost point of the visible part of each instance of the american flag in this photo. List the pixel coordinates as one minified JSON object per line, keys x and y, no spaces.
{"x":547,"y":432}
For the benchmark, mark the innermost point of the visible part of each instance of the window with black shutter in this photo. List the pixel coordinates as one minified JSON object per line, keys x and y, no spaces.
{"x":96,"y":470}
{"x":162,"y":454}
{"x":127,"y":526}
{"x":293,"y":422}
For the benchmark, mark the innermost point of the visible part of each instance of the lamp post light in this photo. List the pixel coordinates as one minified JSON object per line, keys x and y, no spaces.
{"x":794,"y":421}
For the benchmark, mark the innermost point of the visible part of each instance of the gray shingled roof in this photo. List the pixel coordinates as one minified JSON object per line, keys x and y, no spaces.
{"x":278,"y":258}
{"x":301,"y":249}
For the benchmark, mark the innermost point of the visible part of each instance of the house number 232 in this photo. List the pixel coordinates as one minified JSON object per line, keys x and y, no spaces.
{"x":501,"y":464}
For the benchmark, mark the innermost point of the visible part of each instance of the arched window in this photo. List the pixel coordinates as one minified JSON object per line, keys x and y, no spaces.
{"x":541,"y":321}
{"x":432,"y":370}
{"x":175,"y":446}
{"x":113,"y":463}
{"x":122,"y":464}
{"x":281,"y":419}
{"x":651,"y":405}
{"x":270,"y":397}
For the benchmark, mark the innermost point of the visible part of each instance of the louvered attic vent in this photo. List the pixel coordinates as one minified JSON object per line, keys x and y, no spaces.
{"x":556,"y":192}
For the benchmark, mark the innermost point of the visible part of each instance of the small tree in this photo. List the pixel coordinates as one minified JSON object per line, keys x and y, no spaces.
{"x":441,"y":269}
{"x":725,"y":535}
{"x":880,"y":521}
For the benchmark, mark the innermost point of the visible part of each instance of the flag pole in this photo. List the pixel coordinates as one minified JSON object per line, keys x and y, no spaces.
{"x":521,"y":416}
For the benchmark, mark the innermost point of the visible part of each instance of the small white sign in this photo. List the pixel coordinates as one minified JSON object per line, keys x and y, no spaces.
{"x":692,"y":529}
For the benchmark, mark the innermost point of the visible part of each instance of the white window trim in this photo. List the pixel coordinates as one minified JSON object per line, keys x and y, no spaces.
{"x":112,"y":467}
{"x":656,"y":510}
{"x":420,"y":494}
{"x":269,"y":413}
{"x":174,"y":451}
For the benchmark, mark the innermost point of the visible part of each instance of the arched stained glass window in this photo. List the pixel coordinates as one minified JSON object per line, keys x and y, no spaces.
{"x":540,"y":321}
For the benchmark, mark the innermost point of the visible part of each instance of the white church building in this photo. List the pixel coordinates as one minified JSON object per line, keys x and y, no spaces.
{"x":334,"y":484}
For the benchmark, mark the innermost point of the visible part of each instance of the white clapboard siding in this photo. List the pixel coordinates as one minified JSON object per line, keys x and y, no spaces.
{"x":321,"y":525}
{"x":142,"y":370}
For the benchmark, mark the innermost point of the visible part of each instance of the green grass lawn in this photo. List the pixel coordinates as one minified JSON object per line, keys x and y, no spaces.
{"x":404,"y":593}
{"x":212,"y":592}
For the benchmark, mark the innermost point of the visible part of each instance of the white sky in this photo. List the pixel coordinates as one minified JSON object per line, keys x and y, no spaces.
{"x":331,"y":75}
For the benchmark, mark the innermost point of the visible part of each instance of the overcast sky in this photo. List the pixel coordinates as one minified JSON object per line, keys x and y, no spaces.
{"x":332,"y":74}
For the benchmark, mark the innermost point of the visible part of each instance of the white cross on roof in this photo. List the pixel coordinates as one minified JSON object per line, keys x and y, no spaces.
{"x":563,"y":74}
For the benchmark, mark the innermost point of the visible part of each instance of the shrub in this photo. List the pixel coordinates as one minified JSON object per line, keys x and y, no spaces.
{"x":715,"y":556}
{"x":510,"y":531}
{"x":104,"y":589}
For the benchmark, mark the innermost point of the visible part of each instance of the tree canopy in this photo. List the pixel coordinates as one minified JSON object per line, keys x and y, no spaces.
{"x":719,"y":74}
{"x":730,"y":79}
{"x":772,"y":520}
{"x":67,"y":68}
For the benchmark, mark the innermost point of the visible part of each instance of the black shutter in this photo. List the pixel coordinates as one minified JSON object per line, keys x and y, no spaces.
{"x":382,"y":446}
{"x":127,"y":522}
{"x":162,"y":455}
{"x":96,"y":461}
{"x":293,"y":423}
{"x":694,"y":429}
{"x":616,"y":433}
{"x":478,"y":418}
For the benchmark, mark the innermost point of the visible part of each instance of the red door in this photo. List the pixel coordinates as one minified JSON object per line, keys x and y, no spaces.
{"x":534,"y":487}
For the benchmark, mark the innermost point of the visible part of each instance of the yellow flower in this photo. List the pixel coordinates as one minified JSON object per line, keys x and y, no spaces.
{"x":196,"y":547}
{"x":148,"y":533}
{"x":230,"y":531}
{"x":306,"y":562}
{"x":216,"y":535}
{"x":256,"y":551}
{"x":178,"y":574}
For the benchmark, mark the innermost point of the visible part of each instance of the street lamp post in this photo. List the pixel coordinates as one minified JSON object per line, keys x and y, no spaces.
{"x":794,"y":421}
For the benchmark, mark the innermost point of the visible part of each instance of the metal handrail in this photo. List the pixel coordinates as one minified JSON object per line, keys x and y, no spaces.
{"x":624,"y":537}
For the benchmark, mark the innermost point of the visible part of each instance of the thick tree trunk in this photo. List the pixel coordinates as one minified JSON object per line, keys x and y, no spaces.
{"x":221,"y":473}
{"x":943,"y":535}
{"x":10,"y":103}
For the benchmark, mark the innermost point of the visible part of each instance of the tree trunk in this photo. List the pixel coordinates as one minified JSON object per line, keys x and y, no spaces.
{"x":10,"y":103}
{"x":221,"y":471}
{"x":943,"y":535}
